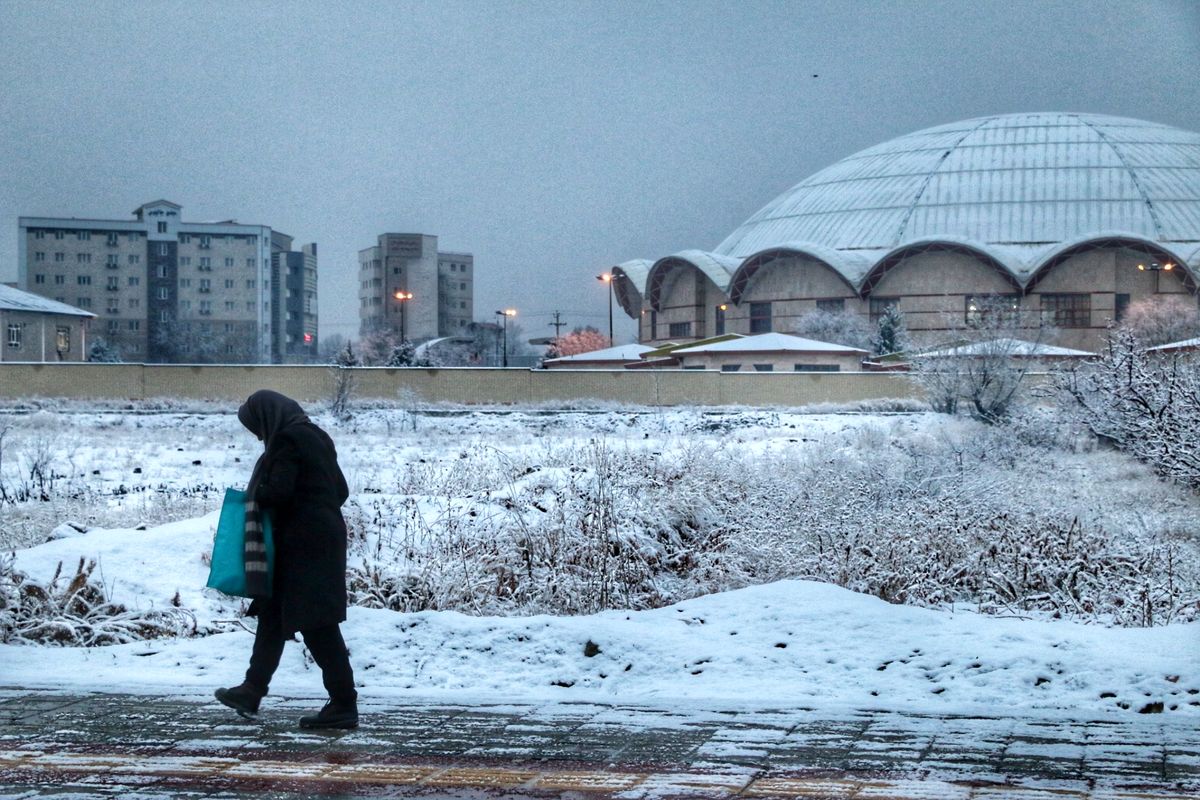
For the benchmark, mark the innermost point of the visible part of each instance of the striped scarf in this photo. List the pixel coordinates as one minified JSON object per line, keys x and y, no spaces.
{"x":258,"y":579}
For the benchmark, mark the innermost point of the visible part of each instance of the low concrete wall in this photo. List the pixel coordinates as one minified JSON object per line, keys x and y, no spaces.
{"x":451,"y":385}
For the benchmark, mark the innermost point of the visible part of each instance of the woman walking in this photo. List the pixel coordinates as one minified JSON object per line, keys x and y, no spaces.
{"x":298,"y":481}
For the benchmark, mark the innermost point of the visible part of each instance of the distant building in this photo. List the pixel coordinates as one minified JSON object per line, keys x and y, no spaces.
{"x":1068,"y":217}
{"x":408,"y":287}
{"x":163,"y":290}
{"x":37,"y":329}
{"x":294,"y":294}
{"x":771,"y":352}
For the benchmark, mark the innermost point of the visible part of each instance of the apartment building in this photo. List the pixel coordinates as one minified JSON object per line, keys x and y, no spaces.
{"x":162,"y":289}
{"x":408,"y":287}
{"x":294,"y":295}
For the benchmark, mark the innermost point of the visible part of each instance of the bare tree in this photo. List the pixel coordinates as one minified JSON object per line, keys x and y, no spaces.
{"x":580,"y":340}
{"x":837,"y":327}
{"x":341,"y":373}
{"x":985,"y":367}
{"x":1159,"y":320}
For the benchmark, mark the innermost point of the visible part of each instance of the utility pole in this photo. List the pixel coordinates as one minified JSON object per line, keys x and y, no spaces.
{"x":557,"y":324}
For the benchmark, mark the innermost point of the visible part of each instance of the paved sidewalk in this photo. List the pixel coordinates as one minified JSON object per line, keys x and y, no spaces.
{"x":57,"y":745}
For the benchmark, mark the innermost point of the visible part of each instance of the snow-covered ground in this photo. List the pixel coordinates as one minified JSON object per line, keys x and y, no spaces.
{"x":786,"y":643}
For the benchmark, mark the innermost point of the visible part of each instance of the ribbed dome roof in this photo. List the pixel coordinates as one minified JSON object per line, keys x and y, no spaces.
{"x":1017,"y":184}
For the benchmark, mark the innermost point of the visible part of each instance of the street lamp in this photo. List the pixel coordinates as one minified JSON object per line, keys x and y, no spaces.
{"x":1156,"y":268}
{"x":506,"y":313}
{"x":401,"y":296}
{"x":608,"y":278}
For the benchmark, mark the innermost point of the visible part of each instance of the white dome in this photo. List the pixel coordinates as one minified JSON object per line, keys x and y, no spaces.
{"x":1017,"y":187}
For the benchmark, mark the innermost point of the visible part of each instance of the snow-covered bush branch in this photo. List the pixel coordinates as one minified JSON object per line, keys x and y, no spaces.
{"x":1145,"y":404}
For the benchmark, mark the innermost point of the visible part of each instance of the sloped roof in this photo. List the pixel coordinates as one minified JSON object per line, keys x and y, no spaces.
{"x":618,"y":354}
{"x":1016,"y":348}
{"x":16,"y":300}
{"x":769,"y":343}
{"x":1186,"y":344}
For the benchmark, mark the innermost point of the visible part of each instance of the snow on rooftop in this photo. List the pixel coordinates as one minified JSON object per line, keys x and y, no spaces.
{"x":768,"y":343}
{"x":1017,"y":348}
{"x":1186,"y":344}
{"x":17,"y":300}
{"x":620,"y":354}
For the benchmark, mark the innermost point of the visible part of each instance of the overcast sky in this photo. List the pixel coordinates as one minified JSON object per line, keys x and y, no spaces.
{"x":552,"y":140}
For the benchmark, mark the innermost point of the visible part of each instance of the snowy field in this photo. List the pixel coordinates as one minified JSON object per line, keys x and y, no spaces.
{"x":733,"y":558}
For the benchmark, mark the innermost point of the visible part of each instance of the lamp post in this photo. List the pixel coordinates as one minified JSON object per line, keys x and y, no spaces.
{"x":506,"y":313}
{"x":608,"y":278}
{"x":1156,"y":268}
{"x":401,"y":296}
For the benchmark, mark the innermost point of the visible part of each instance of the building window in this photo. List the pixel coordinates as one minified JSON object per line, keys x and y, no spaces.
{"x":680,"y":329}
{"x":60,"y":257}
{"x":1067,"y":310}
{"x":39,"y":234}
{"x":59,"y":280}
{"x":185,"y":283}
{"x":83,"y":236}
{"x":250,"y":263}
{"x":83,"y":258}
{"x":832,"y":305}
{"x":760,"y":317}
{"x":62,"y":339}
{"x":185,"y":261}
{"x":113,"y":283}
{"x":229,"y":283}
{"x":164,"y":249}
{"x":764,"y":367}
{"x":112,"y":240}
{"x":719,"y":321}
{"x":83,"y":302}
{"x":185,"y":305}
{"x":39,"y":256}
{"x":205,"y":241}
{"x":111,"y":262}
{"x":39,"y":278}
{"x":134,"y":280}
{"x":162,"y":227}
{"x":114,"y":326}
{"x":58,"y":234}
{"x":653,"y":324}
{"x":1121,"y":307}
{"x":229,"y":262}
{"x":229,"y":304}
{"x":205,"y":285}
{"x":989,"y":309}
{"x":14,"y":336}
{"x":880,"y":306}
{"x":250,"y":284}
{"x":730,"y":367}
{"x":135,"y":324}
{"x":185,"y":238}
{"x":135,"y":259}
{"x":162,"y":270}
{"x":164,"y":293}
{"x":135,"y":302}
{"x":817,"y":368}
{"x":113,"y":307}
{"x":83,"y":280}
{"x":206,"y":263}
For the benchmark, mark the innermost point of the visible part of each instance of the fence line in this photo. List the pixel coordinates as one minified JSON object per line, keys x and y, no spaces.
{"x":450,"y":384}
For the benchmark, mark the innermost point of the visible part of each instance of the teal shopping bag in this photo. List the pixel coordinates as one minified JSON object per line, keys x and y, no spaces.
{"x":228,"y":571}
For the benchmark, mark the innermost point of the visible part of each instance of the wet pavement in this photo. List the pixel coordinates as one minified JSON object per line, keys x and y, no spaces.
{"x":101,"y":745}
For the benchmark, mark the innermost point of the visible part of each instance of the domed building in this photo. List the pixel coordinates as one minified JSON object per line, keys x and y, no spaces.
{"x":1070,"y":216}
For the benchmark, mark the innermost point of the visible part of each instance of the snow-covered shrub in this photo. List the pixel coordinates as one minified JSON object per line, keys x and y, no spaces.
{"x":77,"y":611}
{"x":930,"y":520}
{"x":1145,"y":404}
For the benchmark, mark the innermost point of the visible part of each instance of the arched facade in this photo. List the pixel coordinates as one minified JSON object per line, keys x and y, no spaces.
{"x":1050,"y":212}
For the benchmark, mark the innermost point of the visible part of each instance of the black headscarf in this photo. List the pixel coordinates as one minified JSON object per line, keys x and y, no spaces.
{"x":265,"y":414}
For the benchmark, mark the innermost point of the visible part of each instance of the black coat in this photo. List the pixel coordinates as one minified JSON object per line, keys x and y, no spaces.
{"x":303,"y":489}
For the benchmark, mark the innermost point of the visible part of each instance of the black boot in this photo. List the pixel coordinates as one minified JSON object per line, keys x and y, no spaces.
{"x":243,"y":699}
{"x":335,"y":714}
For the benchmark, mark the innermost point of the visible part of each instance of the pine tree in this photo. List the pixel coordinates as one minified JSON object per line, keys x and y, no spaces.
{"x":891,"y":336}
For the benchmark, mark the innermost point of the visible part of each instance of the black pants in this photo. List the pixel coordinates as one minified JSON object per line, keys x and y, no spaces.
{"x":326,"y":645}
